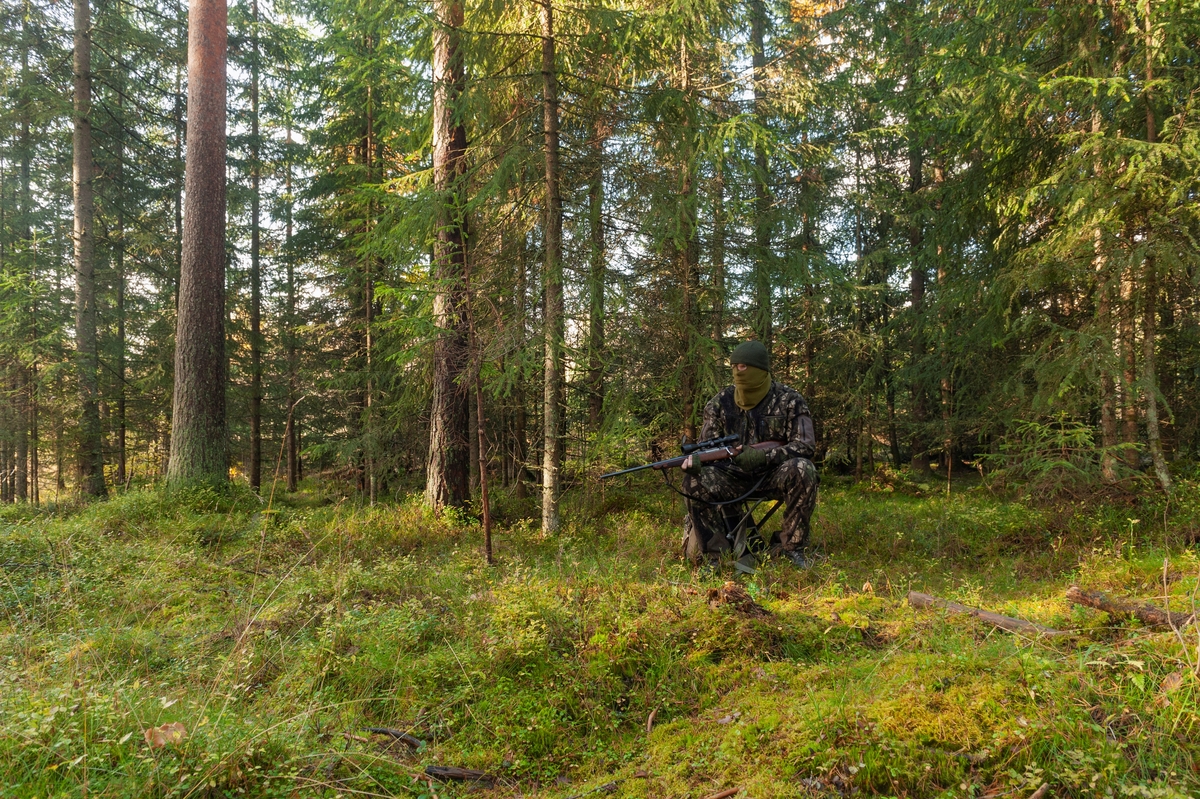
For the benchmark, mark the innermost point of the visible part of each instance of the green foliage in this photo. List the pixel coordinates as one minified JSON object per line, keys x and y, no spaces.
{"x":1051,"y":458}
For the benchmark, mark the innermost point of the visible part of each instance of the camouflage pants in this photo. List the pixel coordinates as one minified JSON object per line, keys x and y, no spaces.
{"x":794,"y":481}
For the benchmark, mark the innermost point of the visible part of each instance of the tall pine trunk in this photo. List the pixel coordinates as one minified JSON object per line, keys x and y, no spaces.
{"x":762,"y":322}
{"x":119,"y":262}
{"x":686,"y":248}
{"x":449,"y":452}
{"x":199,"y":446}
{"x":256,"y":389}
{"x":1150,"y":289}
{"x":920,"y":411}
{"x":552,"y":279}
{"x":293,"y":449}
{"x":91,"y":446}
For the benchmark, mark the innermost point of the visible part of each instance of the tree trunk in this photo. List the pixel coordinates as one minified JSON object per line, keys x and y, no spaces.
{"x":255,"y":470}
{"x":449,"y":452}
{"x":920,"y":413}
{"x":122,"y":476}
{"x":1128,"y":344}
{"x":1150,"y":293}
{"x":199,"y":444}
{"x":763,"y":317}
{"x":553,"y":283}
{"x":597,"y":281}
{"x":122,"y":453}
{"x":293,"y":450}
{"x":520,"y":433}
{"x":27,"y":240}
{"x":87,"y":360}
{"x":718,"y":251}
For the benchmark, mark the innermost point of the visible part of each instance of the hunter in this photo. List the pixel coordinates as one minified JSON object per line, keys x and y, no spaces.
{"x":758,"y":409}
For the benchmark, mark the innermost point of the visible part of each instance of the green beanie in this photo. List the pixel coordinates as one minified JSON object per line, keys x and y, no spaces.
{"x":751,"y":353}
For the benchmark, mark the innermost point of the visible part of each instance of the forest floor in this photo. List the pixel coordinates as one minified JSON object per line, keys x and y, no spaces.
{"x":198,"y":644}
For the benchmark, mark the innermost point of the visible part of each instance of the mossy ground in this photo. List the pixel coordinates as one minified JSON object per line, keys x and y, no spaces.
{"x":276,"y":635}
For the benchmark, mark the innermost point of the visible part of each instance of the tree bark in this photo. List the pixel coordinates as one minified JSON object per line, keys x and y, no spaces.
{"x":552,"y":283}
{"x":255,"y":469}
{"x":87,"y":358}
{"x":199,"y":443}
{"x":520,"y":433}
{"x":687,"y":248}
{"x":920,"y":412}
{"x":293,"y":448}
{"x":1128,"y":351}
{"x":1150,"y":297}
{"x":597,"y":274}
{"x":763,"y":317}
{"x":449,"y":451}
{"x":718,"y":250}
{"x":26,"y":227}
{"x":1150,"y":615}
{"x":119,"y":259}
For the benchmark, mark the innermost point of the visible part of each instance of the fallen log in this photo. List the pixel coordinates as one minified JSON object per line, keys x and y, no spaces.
{"x":925,"y":601}
{"x":443,"y":773}
{"x":1149,"y":615}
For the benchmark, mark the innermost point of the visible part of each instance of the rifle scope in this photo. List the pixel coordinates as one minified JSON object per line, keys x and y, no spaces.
{"x":724,"y":441}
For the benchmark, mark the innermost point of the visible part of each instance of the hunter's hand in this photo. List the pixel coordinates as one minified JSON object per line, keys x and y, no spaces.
{"x":691,"y":465}
{"x":751,"y":459}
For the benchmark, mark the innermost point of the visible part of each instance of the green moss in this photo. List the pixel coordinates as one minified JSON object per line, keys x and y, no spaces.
{"x":272,"y":636}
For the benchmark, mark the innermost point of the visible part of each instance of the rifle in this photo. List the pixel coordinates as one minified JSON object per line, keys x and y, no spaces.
{"x":714,"y":449}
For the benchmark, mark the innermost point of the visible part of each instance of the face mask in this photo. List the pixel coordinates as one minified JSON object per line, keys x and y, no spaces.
{"x":750,"y":385}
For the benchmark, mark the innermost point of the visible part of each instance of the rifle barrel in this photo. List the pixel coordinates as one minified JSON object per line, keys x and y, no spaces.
{"x":627,"y":471}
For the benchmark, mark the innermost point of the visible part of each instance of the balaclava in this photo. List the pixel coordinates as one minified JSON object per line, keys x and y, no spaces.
{"x":751,"y":384}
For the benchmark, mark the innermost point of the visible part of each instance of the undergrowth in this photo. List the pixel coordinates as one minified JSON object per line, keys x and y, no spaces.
{"x":277,"y":635}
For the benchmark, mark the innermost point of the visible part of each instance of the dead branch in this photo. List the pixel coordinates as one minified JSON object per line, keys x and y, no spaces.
{"x":399,"y":735}
{"x":1149,"y":615}
{"x":926,"y":601}
{"x":724,"y":794}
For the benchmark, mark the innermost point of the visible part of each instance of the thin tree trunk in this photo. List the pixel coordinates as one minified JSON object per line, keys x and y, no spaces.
{"x":1150,"y":293}
{"x":687,"y":249}
{"x":1108,"y":384}
{"x":920,"y":413}
{"x":597,"y":281}
{"x":552,"y":416}
{"x":119,"y":262}
{"x":256,"y":389}
{"x":718,"y":251}
{"x":484,"y":495}
{"x":472,"y":439}
{"x":293,"y":451}
{"x":763,"y":316}
{"x":1128,"y":343}
{"x":91,"y":445}
{"x":944,"y":381}
{"x":1149,"y":373}
{"x":480,"y":418}
{"x":27,"y":240}
{"x":520,"y":442}
{"x":449,"y":452}
{"x":199,"y":445}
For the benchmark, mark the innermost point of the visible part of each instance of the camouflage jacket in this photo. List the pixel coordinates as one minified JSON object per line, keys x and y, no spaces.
{"x":781,"y":416}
